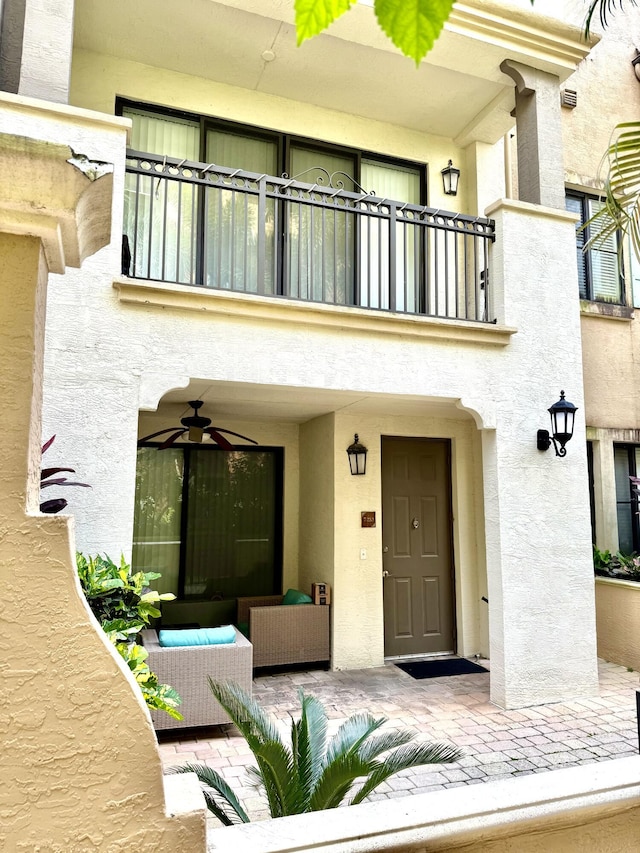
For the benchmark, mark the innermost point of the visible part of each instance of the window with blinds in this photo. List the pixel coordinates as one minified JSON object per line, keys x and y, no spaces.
{"x":627,"y":463}
{"x":599,"y":275}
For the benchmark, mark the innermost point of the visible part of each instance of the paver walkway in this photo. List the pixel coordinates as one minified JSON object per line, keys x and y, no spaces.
{"x":497,"y":744}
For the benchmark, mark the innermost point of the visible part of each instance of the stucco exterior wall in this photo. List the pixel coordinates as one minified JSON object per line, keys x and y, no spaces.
{"x":76,"y":775}
{"x":594,"y":808}
{"x":618,"y":621}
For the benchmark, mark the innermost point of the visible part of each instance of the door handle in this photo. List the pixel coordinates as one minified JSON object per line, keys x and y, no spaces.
{"x":385,"y":573}
{"x":385,"y":550}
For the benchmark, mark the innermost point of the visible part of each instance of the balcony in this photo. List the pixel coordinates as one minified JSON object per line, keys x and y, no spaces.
{"x":227,"y":229}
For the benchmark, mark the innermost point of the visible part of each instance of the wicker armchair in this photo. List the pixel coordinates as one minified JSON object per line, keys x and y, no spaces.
{"x":187,"y":669}
{"x":286,"y":633}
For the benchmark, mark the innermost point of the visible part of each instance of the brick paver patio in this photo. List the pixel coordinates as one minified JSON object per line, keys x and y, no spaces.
{"x":497,"y":744}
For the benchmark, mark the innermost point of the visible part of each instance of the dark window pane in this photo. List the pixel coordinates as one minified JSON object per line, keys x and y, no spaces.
{"x":230,"y":529}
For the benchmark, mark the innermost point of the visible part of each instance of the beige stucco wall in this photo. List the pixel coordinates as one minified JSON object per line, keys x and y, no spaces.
{"x":315,"y":525}
{"x":618,"y":621}
{"x":76,"y":775}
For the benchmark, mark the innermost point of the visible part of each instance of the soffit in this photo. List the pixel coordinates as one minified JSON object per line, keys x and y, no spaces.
{"x":352,"y":68}
{"x":247,"y":401}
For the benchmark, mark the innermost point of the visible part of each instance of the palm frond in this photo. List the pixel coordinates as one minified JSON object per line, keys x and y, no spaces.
{"x":375,"y":746}
{"x":220,"y":799}
{"x":251,"y":720}
{"x":603,"y":7}
{"x":336,"y":780}
{"x":403,"y":758}
{"x":275,"y":766}
{"x":309,"y":743}
{"x":620,"y":211}
{"x":352,"y":733}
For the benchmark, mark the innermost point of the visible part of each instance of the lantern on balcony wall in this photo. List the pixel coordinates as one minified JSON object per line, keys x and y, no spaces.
{"x":450,"y":177}
{"x":357,"y":454}
{"x":562,"y":420}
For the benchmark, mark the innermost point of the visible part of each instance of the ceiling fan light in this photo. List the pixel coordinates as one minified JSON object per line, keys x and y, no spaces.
{"x":196,"y":434}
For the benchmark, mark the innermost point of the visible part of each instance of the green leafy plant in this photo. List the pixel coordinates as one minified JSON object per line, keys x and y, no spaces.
{"x":160,"y":697}
{"x":48,"y":478}
{"x":115,"y":592}
{"x":123,"y":603}
{"x":311,"y":773}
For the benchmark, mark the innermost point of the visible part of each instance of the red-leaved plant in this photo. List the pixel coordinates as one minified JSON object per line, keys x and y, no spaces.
{"x":48,"y":478}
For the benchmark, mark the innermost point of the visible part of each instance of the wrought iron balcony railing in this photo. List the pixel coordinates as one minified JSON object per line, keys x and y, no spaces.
{"x":199,"y":224}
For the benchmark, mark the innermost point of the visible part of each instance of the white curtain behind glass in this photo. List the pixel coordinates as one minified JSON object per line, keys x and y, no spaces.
{"x":321,"y":241}
{"x":160,"y":215}
{"x":232,"y":223}
{"x":156,"y":524}
{"x":401,"y":185}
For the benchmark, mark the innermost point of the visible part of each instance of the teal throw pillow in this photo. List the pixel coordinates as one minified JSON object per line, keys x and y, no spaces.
{"x":294,"y":596}
{"x":198,"y":637}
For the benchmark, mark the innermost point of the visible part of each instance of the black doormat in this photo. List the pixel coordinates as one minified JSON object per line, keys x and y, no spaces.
{"x":440,"y":667}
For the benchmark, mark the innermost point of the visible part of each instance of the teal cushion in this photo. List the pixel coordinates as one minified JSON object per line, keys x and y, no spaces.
{"x":294,"y":596}
{"x":198,"y":636}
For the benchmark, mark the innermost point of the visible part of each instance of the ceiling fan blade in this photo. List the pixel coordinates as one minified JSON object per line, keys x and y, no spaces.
{"x":237,"y":434}
{"x":172,"y":439}
{"x":219,"y":439}
{"x":156,"y":434}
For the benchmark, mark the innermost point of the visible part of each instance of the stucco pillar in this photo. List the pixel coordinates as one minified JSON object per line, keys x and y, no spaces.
{"x":604,"y":487}
{"x":36,"y":41}
{"x":537,"y":517}
{"x":540,"y":163}
{"x":79,"y":760}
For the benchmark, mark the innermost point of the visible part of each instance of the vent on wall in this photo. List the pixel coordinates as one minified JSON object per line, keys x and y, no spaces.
{"x":569,"y":99}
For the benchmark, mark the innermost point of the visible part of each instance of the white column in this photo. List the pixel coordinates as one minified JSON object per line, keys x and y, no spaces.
{"x":538,"y":532}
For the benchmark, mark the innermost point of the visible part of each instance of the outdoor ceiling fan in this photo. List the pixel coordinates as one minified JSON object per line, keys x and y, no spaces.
{"x":196,"y":426}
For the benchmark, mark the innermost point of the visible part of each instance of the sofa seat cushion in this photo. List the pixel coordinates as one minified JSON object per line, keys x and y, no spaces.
{"x":198,"y":637}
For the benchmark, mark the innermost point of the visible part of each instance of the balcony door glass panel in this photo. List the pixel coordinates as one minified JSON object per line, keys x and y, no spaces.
{"x":232,"y":215}
{"x":320,"y":235}
{"x":158,"y":508}
{"x":160,"y":214}
{"x":400,"y":184}
{"x":230,"y":524}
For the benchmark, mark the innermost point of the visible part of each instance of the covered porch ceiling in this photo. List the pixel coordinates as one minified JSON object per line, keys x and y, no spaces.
{"x":253,"y":402}
{"x":458,"y":92}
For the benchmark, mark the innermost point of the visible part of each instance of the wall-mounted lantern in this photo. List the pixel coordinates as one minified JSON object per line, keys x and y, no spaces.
{"x":562,"y":419}
{"x":357,"y":454}
{"x":450,"y":178}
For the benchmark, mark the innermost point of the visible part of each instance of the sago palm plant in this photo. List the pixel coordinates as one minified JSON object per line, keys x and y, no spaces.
{"x":312,"y":773}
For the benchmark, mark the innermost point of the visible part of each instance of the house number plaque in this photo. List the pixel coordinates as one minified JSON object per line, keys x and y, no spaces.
{"x":368,"y":519}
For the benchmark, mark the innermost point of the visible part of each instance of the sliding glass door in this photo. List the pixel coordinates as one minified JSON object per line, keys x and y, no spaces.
{"x":210,"y":520}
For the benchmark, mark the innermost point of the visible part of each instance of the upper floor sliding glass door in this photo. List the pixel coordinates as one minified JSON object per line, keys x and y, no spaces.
{"x":240,"y":237}
{"x":160,"y":216}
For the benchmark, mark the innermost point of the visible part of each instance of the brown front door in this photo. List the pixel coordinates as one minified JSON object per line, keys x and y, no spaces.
{"x":416,"y":541}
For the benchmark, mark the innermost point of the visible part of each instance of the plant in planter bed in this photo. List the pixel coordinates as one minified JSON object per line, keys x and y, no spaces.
{"x":311,"y":773}
{"x":124,"y":604}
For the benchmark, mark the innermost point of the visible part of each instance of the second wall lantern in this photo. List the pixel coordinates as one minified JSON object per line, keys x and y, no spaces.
{"x":357,"y":454}
{"x":450,"y":177}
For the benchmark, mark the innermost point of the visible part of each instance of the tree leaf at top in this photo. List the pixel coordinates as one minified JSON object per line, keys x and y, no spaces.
{"x":314,"y":16}
{"x":413,"y":25}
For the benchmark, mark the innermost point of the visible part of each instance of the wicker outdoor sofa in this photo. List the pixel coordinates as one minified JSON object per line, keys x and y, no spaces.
{"x":187,"y":669}
{"x":286,"y":633}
